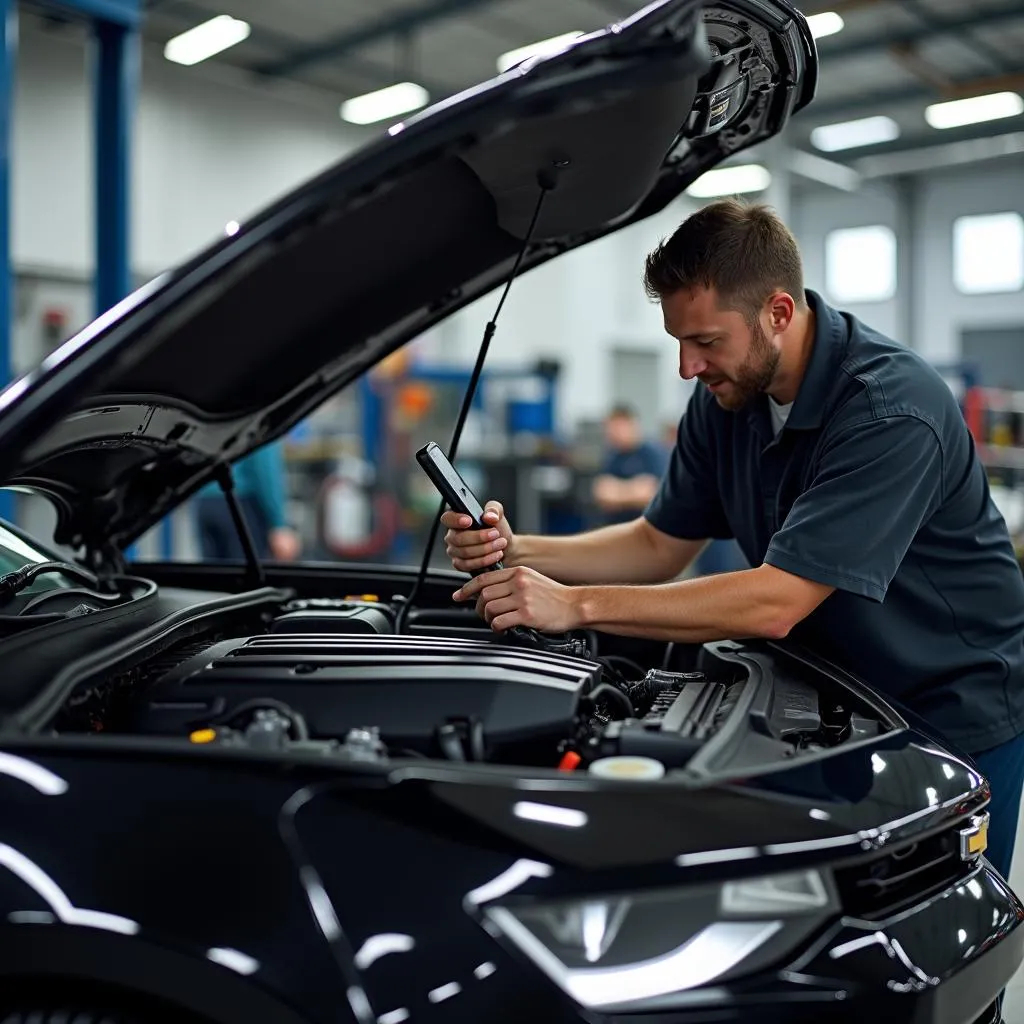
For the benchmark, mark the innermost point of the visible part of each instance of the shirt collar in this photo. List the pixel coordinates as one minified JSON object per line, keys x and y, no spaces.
{"x":831,"y":338}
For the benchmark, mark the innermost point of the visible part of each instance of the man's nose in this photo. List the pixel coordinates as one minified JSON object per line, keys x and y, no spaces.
{"x":691,"y":364}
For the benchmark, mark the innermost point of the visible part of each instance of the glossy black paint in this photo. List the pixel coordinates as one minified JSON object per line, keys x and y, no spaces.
{"x":291,"y":867}
{"x":290,"y":889}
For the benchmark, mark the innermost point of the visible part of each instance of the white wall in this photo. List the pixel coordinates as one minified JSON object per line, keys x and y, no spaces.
{"x":814,"y":214}
{"x":941,"y":312}
{"x":928,"y":313}
{"x":209,"y":147}
{"x":576,"y":309}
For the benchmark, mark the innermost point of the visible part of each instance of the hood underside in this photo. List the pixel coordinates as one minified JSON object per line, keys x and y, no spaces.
{"x":223,"y":354}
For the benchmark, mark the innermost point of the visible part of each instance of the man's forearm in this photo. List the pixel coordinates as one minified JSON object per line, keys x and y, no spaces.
{"x":622,"y":553}
{"x":726,"y":606}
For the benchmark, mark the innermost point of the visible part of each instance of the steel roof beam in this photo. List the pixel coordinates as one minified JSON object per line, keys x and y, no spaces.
{"x":372,"y":31}
{"x":884,"y":101}
{"x":831,"y":47}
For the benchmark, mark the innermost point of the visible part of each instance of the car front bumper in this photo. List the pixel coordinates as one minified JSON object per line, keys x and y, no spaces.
{"x":942,"y":961}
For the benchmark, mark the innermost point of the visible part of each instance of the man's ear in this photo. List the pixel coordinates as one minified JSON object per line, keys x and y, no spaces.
{"x":781,"y":309}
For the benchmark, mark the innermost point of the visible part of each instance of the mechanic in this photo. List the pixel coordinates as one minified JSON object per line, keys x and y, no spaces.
{"x":631,"y":468}
{"x":842,"y":465}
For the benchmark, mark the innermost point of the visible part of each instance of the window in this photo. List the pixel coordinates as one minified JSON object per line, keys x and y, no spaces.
{"x":860,"y":264}
{"x":988,"y":253}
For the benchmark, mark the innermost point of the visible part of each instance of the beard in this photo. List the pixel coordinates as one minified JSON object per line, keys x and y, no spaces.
{"x":753,"y":377}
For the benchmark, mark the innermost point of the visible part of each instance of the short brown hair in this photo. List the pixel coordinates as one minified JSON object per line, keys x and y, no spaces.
{"x":742,"y":250}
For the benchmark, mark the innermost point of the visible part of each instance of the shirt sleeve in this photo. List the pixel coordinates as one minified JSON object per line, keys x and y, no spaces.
{"x":687,"y":504}
{"x":876,"y":484}
{"x":267,"y":466}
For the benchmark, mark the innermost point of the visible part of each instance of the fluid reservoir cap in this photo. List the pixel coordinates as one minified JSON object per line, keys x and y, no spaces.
{"x":203,"y":736}
{"x":622,"y":767}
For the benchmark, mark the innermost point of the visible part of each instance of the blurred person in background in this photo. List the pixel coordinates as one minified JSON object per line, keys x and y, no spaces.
{"x":631,"y":471}
{"x":260,"y":488}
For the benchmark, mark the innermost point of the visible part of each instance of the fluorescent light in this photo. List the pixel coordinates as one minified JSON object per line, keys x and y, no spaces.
{"x":728,"y":181}
{"x":865,"y":131}
{"x":544,"y":47}
{"x":384,"y":103}
{"x":828,"y":23}
{"x":955,"y":113}
{"x":206,"y":39}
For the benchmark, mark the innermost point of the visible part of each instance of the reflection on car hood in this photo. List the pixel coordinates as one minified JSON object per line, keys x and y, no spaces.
{"x":229,"y":350}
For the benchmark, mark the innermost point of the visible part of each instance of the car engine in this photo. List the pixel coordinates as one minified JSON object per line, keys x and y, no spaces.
{"x":332,"y":678}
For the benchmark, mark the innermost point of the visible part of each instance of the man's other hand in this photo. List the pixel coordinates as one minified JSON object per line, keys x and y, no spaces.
{"x":522,"y":597}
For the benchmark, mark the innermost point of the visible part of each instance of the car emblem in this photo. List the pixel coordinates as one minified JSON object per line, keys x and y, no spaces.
{"x":974,"y":838}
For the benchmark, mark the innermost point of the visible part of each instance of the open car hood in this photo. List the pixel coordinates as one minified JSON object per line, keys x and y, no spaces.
{"x":228,"y":351}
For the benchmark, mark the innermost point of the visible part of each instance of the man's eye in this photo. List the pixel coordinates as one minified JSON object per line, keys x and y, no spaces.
{"x":707,"y":343}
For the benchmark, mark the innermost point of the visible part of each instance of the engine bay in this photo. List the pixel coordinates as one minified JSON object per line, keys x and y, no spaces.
{"x":331,"y":677}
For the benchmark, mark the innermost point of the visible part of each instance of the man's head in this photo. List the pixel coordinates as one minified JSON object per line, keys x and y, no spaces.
{"x":622,"y":429}
{"x":730,"y":281}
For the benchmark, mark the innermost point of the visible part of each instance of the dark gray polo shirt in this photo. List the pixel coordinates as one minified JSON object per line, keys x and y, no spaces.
{"x":873,"y":486}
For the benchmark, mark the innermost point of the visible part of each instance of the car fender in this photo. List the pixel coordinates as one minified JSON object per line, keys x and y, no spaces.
{"x":48,"y":952}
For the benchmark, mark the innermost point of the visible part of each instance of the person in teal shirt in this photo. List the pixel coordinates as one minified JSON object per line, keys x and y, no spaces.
{"x":260,"y":487}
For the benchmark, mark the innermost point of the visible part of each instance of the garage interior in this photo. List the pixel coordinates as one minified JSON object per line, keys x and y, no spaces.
{"x":903,"y":182}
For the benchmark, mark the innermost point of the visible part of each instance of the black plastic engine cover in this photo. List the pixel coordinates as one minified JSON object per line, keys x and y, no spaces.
{"x":405,"y":686}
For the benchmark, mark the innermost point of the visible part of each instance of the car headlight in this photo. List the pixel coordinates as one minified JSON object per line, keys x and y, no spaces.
{"x":616,"y":950}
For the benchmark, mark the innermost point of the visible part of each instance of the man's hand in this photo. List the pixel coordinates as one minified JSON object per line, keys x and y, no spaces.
{"x":471,"y":550}
{"x":522,"y":597}
{"x":284,"y":544}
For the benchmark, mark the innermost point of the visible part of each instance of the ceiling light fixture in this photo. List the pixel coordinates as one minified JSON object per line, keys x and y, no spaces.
{"x":865,"y":131}
{"x":384,"y":103}
{"x":956,"y":113}
{"x":828,"y":23}
{"x":543,"y":47}
{"x":728,"y":181}
{"x":207,"y":39}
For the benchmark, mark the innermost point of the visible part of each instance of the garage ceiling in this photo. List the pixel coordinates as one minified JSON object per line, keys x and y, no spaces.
{"x":893,"y":57}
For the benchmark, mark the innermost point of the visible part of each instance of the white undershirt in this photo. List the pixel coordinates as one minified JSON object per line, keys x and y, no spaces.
{"x":780,"y":413}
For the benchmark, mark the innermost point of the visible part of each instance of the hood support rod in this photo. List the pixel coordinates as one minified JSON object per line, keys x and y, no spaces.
{"x":254,"y":568}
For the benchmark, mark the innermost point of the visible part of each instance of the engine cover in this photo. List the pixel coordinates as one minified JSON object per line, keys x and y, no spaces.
{"x":405,"y":686}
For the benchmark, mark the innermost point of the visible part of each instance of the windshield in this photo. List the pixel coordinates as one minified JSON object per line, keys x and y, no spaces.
{"x":16,"y":553}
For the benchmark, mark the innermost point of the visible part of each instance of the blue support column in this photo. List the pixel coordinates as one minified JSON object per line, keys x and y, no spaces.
{"x":8,"y":56}
{"x":115,"y":85}
{"x":116,"y":82}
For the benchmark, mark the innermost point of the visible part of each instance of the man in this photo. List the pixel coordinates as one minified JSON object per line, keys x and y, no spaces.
{"x":632,"y":468}
{"x":841,"y":463}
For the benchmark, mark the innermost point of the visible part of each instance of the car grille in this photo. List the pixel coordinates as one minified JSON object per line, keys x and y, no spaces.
{"x":901,"y":876}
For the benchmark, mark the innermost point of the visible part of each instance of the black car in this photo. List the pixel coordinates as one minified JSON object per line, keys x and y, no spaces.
{"x":238,"y":794}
